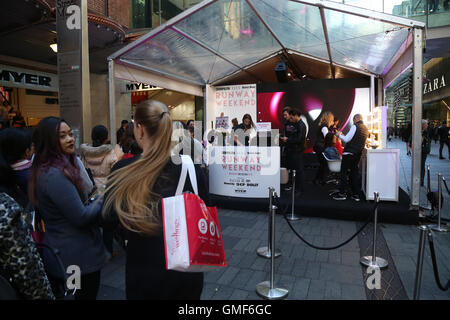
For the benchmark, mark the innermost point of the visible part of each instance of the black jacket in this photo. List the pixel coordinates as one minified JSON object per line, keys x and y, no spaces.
{"x":296,"y":134}
{"x":358,"y":142}
{"x":146,"y":274}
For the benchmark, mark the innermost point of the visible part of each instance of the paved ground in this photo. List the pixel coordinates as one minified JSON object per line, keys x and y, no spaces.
{"x":312,"y":274}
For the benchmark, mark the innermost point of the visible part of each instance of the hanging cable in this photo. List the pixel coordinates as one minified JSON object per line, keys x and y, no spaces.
{"x":276,"y":200}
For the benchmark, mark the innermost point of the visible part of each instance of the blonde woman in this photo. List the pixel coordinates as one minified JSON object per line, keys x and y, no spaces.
{"x":326,"y":121}
{"x":133,"y":198}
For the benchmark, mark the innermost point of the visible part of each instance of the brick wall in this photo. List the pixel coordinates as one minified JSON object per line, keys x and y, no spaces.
{"x":118,"y":10}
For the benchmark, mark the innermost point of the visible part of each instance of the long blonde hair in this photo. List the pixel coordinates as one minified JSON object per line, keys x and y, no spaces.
{"x":327,"y":118}
{"x":130,"y":189}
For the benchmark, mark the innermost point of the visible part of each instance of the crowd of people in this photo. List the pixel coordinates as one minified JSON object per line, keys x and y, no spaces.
{"x":81,"y":202}
{"x":86,"y":200}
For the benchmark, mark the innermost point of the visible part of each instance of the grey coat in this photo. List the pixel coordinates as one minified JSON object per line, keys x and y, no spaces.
{"x":71,"y":226}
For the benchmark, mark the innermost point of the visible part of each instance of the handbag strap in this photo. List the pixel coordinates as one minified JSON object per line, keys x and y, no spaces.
{"x":187,"y":167}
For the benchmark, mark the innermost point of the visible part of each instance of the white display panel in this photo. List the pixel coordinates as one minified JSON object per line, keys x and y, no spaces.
{"x":382,"y":174}
{"x":244,"y":172}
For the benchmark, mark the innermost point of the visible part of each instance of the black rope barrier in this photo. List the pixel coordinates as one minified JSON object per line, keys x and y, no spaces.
{"x":435,"y":267}
{"x":276,"y":199}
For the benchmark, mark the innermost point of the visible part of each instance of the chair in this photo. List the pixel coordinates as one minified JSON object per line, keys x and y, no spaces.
{"x":334,"y":165}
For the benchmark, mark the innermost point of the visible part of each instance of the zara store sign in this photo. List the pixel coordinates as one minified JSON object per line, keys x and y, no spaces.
{"x":434,"y":84}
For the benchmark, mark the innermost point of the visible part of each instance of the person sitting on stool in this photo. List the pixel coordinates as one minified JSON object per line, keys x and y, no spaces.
{"x":295,"y":141}
{"x":355,"y":141}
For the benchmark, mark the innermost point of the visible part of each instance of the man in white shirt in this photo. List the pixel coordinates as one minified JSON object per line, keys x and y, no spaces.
{"x":355,"y":141}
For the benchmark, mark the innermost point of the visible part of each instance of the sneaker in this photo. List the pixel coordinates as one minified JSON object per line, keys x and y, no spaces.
{"x":355,"y":197}
{"x":340,"y":196}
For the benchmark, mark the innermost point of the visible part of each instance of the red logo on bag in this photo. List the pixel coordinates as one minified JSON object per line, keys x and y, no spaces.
{"x":202,"y":226}
{"x":176,"y":236}
{"x":212,"y":228}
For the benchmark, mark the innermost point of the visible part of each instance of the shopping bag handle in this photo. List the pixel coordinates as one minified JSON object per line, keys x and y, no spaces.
{"x":187,"y":166}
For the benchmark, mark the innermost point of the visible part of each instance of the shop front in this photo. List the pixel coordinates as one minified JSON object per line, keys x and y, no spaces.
{"x":182,"y":107}
{"x":32,"y":93}
{"x":436,"y":91}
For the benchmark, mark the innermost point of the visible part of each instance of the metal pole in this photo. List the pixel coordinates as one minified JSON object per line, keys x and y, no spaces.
{"x":416,"y":116}
{"x":293,"y":217}
{"x":438,"y":227}
{"x":267,"y":289}
{"x":423,"y":230}
{"x":266,"y":252}
{"x":374,"y":261}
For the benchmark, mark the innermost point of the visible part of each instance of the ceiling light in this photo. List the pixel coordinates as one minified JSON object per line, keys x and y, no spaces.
{"x":54,"y":46}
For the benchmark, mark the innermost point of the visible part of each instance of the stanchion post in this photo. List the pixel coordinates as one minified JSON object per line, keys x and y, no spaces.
{"x":417,"y":283}
{"x":293,"y":217}
{"x":266,"y":252}
{"x":373,"y":260}
{"x":267,"y":289}
{"x":438,"y":227}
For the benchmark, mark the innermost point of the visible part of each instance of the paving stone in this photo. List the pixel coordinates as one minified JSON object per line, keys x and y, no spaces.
{"x":223,"y":293}
{"x":353,"y":292}
{"x":300,"y":289}
{"x":341,"y":274}
{"x":334,"y":257}
{"x":332,"y":290}
{"x":239,"y":295}
{"x":316,"y":290}
{"x":313,"y":270}
{"x":228,"y":276}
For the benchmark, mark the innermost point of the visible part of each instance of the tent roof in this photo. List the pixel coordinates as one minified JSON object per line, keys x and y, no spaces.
{"x":241,"y":41}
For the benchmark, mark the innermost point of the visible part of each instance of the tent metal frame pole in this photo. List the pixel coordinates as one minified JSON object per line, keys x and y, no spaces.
{"x":416,"y":117}
{"x":362,"y":12}
{"x":112,"y":101}
{"x":160,"y":72}
{"x":284,"y":49}
{"x":367,"y":73}
{"x":325,"y":32}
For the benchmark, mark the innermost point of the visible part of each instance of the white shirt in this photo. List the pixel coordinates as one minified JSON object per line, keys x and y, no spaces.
{"x":348,"y":137}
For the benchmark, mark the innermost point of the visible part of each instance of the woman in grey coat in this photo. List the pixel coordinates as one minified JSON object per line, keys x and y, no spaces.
{"x":57,"y":189}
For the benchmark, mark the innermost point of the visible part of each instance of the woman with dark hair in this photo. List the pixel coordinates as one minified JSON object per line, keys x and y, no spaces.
{"x":128,"y":142}
{"x":16,"y":148}
{"x":57,"y":189}
{"x":329,"y":146}
{"x":245,"y":132}
{"x":21,"y":266}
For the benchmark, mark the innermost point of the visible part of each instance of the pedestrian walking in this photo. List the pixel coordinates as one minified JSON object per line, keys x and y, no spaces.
{"x":133,"y":199}
{"x":444,"y":138}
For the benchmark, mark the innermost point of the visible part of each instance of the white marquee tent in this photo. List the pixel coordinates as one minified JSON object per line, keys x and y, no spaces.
{"x":221,"y":42}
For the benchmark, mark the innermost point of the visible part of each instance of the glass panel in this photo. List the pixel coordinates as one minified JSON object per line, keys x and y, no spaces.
{"x":231,"y":28}
{"x":363,"y":43}
{"x":172,"y":53}
{"x":297,"y":26}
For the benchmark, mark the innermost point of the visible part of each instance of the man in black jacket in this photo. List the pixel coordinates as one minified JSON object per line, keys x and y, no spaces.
{"x":355,"y":141}
{"x":295,"y":140}
{"x":443,"y":133}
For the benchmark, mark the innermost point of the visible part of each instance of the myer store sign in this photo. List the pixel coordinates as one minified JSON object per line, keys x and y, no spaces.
{"x":127,"y":87}
{"x":28,"y":79}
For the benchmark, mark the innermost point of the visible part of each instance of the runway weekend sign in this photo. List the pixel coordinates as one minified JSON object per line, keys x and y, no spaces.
{"x":244,"y":172}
